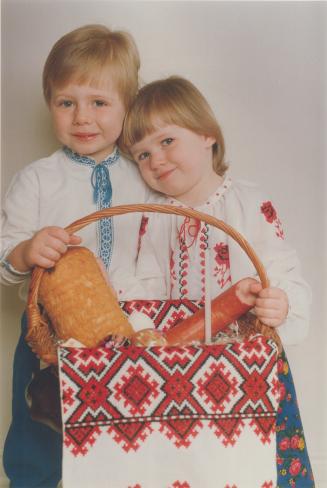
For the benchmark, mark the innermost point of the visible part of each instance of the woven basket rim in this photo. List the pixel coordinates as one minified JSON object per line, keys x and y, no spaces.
{"x":33,"y":312}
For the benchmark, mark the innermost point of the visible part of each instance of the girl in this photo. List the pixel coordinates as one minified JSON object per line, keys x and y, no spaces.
{"x":173,"y":135}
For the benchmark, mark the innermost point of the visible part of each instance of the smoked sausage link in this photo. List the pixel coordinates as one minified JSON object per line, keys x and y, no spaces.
{"x":225,"y":309}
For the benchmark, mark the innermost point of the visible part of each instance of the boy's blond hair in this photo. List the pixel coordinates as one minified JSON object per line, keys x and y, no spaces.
{"x":175,"y":101}
{"x":90,"y":54}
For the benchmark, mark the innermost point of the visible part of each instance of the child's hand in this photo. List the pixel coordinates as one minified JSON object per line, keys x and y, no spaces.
{"x":271,"y":304}
{"x":46,"y":247}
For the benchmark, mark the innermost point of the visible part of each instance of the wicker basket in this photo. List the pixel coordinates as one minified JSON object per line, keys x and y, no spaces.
{"x":39,"y":335}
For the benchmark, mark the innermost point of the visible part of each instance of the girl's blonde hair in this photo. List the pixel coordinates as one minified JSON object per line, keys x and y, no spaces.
{"x":90,"y":54}
{"x":175,"y":101}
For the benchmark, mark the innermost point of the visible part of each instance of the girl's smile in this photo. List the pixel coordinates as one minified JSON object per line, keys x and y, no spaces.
{"x":165,"y":174}
{"x":177,"y":162}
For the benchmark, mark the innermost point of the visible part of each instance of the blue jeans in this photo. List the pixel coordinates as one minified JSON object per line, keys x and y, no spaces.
{"x":32,"y":452}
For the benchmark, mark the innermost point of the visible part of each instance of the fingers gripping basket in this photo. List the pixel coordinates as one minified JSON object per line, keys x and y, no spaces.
{"x":40,"y":336}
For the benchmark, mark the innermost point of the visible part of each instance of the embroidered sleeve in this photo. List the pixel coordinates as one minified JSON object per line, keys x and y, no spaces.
{"x":283,"y":268}
{"x":270,"y":214}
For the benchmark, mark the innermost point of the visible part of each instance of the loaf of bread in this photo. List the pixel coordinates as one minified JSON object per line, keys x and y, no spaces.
{"x":79,"y":302}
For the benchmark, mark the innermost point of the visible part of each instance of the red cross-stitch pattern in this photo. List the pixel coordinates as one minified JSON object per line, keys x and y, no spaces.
{"x":131,"y":391}
{"x":165,"y":314}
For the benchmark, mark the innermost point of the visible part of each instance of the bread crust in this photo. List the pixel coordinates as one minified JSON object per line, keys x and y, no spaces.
{"x":78,"y":300}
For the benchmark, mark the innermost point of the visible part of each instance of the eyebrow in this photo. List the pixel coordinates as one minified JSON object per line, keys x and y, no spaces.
{"x":91,"y":95}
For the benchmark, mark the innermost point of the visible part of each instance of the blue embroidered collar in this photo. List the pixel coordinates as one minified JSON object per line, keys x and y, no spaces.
{"x":78,"y":158}
{"x":100,"y":178}
{"x":102,"y":196}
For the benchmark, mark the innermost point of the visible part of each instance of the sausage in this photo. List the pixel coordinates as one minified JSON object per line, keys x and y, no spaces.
{"x":225,"y":309}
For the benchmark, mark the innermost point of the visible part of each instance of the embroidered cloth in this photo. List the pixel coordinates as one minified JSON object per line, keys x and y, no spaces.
{"x":160,"y":416}
{"x":107,"y":426}
{"x":168,"y":417}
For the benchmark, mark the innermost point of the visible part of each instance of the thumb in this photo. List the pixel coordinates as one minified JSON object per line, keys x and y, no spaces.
{"x":255,"y":288}
{"x":74,"y":239}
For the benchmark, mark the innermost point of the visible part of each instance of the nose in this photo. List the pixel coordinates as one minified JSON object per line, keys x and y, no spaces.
{"x":82,"y":115}
{"x":157,"y":159}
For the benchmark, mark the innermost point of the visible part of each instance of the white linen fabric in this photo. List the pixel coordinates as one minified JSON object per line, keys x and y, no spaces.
{"x":171,"y":260}
{"x":170,"y":417}
{"x":57,"y":190}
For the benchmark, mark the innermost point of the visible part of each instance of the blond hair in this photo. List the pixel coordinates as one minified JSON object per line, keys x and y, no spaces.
{"x":175,"y":101}
{"x":90,"y":54}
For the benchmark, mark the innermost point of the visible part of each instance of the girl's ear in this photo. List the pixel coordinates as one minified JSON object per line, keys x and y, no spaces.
{"x":209,"y":141}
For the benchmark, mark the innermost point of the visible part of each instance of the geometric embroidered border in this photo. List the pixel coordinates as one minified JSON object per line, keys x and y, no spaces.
{"x":165,"y":314}
{"x":130,"y":392}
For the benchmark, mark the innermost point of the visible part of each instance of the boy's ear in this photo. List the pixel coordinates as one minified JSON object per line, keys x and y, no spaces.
{"x":209,"y":141}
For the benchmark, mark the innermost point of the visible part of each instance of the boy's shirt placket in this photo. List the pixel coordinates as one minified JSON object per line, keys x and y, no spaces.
{"x":102,"y":197}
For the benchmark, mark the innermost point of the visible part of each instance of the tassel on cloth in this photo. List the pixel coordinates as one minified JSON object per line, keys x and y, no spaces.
{"x":102,"y":189}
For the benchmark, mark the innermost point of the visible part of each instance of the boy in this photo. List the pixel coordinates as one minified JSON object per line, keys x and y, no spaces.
{"x":89,"y":80}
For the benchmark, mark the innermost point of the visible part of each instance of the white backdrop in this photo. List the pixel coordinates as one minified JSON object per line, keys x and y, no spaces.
{"x":262,"y":66}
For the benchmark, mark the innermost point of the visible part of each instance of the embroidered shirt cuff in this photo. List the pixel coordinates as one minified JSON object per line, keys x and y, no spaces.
{"x":9,"y":267}
{"x":8,"y":273}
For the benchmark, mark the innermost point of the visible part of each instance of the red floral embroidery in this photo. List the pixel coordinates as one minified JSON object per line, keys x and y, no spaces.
{"x":144,"y":224}
{"x":222,"y":254}
{"x":142,"y":231}
{"x":173,"y":276}
{"x":183,"y":270}
{"x":181,"y":484}
{"x":270,"y":214}
{"x":222,"y":269}
{"x":189,"y":231}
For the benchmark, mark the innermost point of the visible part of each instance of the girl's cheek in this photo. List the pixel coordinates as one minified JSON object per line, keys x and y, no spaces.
{"x":143,"y":173}
{"x":147,"y":176}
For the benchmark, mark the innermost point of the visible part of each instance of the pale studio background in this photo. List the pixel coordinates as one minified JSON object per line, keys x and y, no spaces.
{"x":262,"y":66}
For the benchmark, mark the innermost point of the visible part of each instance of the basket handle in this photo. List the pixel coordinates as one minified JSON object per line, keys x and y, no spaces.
{"x":165,"y":209}
{"x":32,"y":304}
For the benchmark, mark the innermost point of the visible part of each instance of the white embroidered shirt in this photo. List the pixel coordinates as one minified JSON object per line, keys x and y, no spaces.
{"x":57,"y":190}
{"x":171,"y":260}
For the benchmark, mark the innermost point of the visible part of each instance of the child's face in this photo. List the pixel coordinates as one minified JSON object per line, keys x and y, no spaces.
{"x":87,"y":119}
{"x":177,"y":162}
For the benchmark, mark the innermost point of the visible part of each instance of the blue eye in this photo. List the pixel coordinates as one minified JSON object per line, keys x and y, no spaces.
{"x":100,"y":103}
{"x":143,"y":156}
{"x":167,"y":141}
{"x":66,"y":103}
